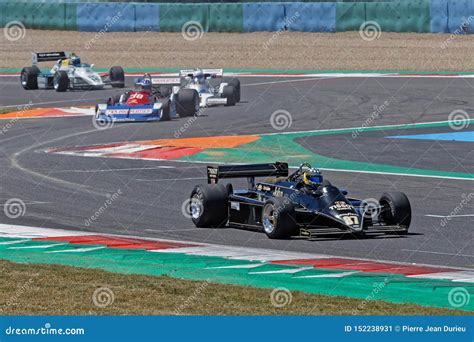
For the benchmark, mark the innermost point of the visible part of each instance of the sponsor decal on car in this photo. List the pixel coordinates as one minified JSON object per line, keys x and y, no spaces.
{"x":340,"y":205}
{"x":116,"y":111}
{"x":141,"y":111}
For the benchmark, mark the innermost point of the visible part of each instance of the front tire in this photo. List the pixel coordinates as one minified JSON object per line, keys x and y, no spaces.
{"x":60,"y":81}
{"x":29,"y":78}
{"x":229,"y":93}
{"x":117,"y":77}
{"x":209,"y":206}
{"x":396,"y":210}
{"x":279,"y":218}
{"x":235,"y":82}
{"x":187,"y":102}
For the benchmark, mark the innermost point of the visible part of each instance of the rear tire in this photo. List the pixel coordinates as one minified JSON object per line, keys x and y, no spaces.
{"x":60,"y":81}
{"x":209,"y":206}
{"x":229,"y":93}
{"x":117,"y":77}
{"x":396,"y":210}
{"x":236,"y":84}
{"x":187,"y":102}
{"x":29,"y":78}
{"x":279,"y":218}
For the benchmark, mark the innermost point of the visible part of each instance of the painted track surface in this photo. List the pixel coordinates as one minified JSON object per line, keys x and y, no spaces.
{"x":63,"y":191}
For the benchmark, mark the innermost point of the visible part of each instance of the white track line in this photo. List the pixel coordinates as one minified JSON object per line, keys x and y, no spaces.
{"x":330,"y":275}
{"x":439,"y":253}
{"x":446,"y":216}
{"x":78,"y":250}
{"x":285,"y":271}
{"x":288,"y":81}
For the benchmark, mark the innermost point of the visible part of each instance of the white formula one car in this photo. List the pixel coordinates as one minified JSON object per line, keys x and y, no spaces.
{"x":224,"y":93}
{"x":67,"y":73}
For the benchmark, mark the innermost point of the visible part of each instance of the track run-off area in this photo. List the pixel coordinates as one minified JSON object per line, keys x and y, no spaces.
{"x":368,"y":133}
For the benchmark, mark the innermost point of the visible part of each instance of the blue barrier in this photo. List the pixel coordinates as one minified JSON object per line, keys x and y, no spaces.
{"x":147,"y":17}
{"x":263,"y":17}
{"x":439,"y":16}
{"x":460,"y":16}
{"x":108,"y":17}
{"x":311,"y":17}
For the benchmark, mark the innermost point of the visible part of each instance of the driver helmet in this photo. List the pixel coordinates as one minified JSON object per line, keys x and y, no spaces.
{"x":76,"y":61}
{"x":198,"y":77}
{"x":312,"y":177}
{"x":145,"y":83}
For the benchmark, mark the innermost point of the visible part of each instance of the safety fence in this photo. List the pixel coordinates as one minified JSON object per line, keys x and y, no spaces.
{"x":453,"y":16}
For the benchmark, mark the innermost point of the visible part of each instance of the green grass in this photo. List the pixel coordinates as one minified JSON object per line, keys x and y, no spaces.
{"x":41,"y":289}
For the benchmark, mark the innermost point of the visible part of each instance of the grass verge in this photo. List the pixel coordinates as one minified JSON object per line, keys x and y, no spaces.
{"x":39,"y":289}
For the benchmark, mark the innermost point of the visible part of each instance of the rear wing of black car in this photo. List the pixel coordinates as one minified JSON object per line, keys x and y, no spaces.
{"x":49,"y":56}
{"x":214,"y":173}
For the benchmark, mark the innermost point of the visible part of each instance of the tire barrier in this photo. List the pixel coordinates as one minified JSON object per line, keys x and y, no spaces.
{"x":187,"y":18}
{"x":439,"y":16}
{"x":107,"y":17}
{"x":147,"y":17}
{"x":226,"y":18}
{"x":400,"y":16}
{"x":263,"y":17}
{"x":311,"y":17}
{"x":460,"y":17}
{"x":349,"y":16}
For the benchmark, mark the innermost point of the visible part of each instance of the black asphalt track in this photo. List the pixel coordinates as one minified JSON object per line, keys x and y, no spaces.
{"x":64,"y":191}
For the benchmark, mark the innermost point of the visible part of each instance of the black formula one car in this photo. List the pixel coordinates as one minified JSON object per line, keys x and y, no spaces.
{"x":300,"y":204}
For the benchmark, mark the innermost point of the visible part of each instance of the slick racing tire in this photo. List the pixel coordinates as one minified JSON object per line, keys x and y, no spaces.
{"x":279,"y":218}
{"x":187,"y":102}
{"x":117,"y":77}
{"x":60,"y":81}
{"x":165,"y":110}
{"x":29,"y":78}
{"x":208,"y":206}
{"x":229,"y":93}
{"x":236,"y":84}
{"x":396,"y":210}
